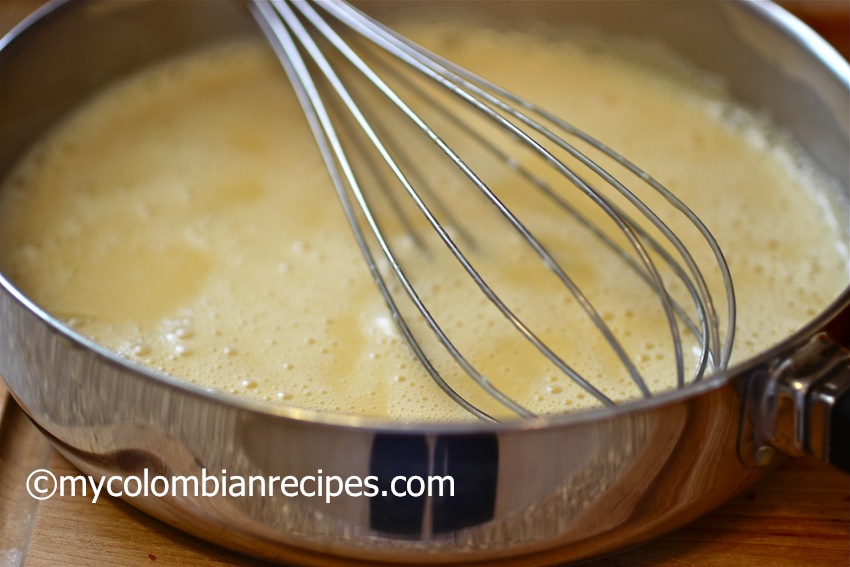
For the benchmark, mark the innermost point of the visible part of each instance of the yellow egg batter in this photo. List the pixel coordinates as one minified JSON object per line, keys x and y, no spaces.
{"x":184,"y":219}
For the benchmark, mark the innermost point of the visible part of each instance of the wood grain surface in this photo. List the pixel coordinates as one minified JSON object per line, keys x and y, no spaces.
{"x":798,"y":516}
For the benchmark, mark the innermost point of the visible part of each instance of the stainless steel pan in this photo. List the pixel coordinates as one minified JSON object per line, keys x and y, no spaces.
{"x":551,"y":490}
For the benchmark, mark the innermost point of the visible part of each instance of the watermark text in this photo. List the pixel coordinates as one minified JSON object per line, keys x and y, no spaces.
{"x":42,"y":484}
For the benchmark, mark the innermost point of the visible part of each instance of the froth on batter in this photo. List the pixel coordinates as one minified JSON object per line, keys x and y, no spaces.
{"x":184,"y":219}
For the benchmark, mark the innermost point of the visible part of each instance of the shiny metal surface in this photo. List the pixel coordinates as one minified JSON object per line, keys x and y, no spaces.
{"x":548,"y":490}
{"x":789,"y":405}
{"x":822,"y":407}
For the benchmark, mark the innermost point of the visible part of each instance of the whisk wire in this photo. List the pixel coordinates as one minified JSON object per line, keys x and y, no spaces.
{"x":454,"y":74}
{"x":301,"y":76}
{"x":542,"y":185}
{"x":279,"y":21}
{"x":434,"y":71}
{"x":329,"y":147}
{"x":344,"y":48}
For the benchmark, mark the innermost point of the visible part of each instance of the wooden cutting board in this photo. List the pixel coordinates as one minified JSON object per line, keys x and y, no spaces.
{"x":798,"y":516}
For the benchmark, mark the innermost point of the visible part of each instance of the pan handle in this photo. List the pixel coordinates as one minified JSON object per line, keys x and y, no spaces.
{"x":800,"y":406}
{"x":839,"y":442}
{"x":838,"y":329}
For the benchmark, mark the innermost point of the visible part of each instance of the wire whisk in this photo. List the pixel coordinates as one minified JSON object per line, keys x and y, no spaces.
{"x":385,"y":110}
